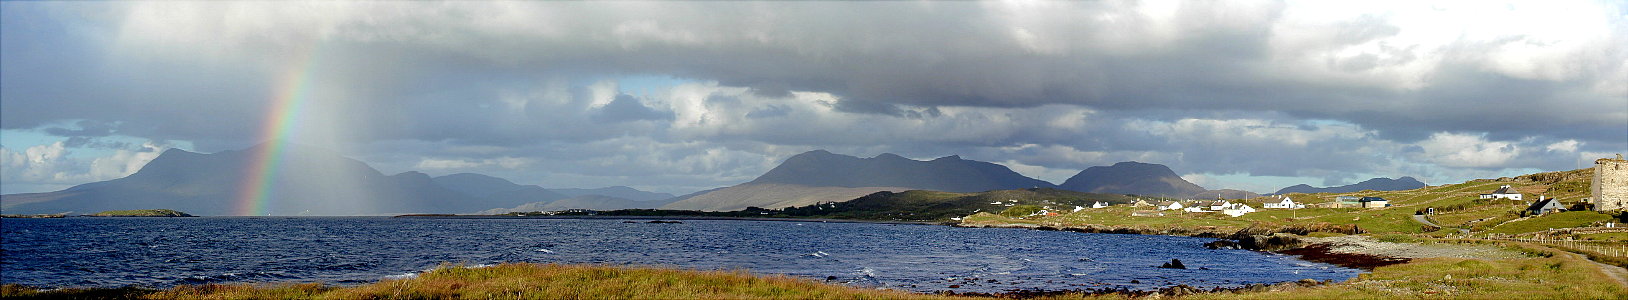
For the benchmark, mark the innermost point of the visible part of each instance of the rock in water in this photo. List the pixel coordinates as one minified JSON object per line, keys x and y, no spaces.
{"x":1174,"y":264}
{"x":1221,"y":244}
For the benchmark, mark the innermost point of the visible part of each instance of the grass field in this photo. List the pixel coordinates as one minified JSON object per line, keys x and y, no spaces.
{"x":1609,"y":236}
{"x":1551,"y":221}
{"x":1453,"y":278}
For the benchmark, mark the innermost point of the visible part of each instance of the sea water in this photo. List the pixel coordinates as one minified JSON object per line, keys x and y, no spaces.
{"x":163,"y":252}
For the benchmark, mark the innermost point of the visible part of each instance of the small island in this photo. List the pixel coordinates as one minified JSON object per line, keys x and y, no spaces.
{"x":141,"y":213}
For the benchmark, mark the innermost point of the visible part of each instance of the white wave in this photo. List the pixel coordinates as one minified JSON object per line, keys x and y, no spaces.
{"x":402,"y":276}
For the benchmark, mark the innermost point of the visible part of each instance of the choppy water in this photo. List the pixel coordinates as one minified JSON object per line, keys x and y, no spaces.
{"x":161,"y":252}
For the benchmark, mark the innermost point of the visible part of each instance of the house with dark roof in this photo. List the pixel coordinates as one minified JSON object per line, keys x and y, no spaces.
{"x":1374,"y":202}
{"x":1545,"y":206}
{"x":1503,"y":192}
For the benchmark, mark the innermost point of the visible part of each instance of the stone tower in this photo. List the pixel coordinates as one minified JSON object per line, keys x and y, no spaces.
{"x":1610,"y":190}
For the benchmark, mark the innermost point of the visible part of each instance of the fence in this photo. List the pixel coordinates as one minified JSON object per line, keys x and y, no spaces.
{"x":1609,"y":248}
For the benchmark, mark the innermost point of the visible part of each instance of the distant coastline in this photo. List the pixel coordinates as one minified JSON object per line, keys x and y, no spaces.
{"x":447,"y":216}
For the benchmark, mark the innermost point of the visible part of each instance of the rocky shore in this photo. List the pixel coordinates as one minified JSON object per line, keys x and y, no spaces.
{"x":1356,"y":244}
{"x":1352,"y":251}
{"x":1179,"y":290}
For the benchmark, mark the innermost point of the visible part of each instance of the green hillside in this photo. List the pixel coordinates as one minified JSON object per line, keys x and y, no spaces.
{"x":1457,"y":207}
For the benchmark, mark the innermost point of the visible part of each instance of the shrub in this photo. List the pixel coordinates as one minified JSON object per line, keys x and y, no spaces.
{"x":1397,"y":238}
{"x":1021,"y":211}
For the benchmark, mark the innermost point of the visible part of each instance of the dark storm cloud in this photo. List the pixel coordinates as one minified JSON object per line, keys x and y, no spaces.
{"x":88,"y":128}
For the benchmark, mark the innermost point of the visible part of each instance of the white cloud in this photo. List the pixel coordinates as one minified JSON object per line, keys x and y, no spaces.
{"x":55,"y":165}
{"x":124,"y":162}
{"x":38,"y":164}
{"x":1468,"y":150}
{"x":1563,"y":146}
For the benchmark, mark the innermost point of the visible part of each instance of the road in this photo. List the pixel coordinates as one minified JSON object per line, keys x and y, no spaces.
{"x":1423,"y":220}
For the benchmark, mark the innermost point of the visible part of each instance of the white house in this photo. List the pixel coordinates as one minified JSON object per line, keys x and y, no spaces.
{"x":1374,"y":202}
{"x":1169,"y":205}
{"x":1197,"y":209}
{"x":1503,"y":192}
{"x":1286,"y":203}
{"x":1237,"y":209}
{"x":1099,"y":204}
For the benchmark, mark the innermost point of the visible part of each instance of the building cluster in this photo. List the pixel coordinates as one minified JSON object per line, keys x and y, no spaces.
{"x":1608,"y":192}
{"x":1157,"y":208}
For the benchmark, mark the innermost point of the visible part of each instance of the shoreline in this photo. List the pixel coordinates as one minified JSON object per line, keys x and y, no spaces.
{"x":593,"y":217}
{"x":1318,"y":251}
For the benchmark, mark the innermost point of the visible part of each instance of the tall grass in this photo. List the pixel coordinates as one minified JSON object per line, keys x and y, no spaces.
{"x":519,"y":281}
{"x":1453,"y":278}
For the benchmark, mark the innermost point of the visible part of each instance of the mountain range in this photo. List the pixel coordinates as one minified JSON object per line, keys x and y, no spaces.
{"x":820,"y":176}
{"x":307,"y":181}
{"x":314,"y":181}
{"x":1377,"y":184}
{"x":948,"y":174}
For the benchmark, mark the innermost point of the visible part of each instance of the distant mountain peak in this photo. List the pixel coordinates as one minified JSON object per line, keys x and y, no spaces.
{"x":951,"y":157}
{"x":952,"y":174}
{"x":814,"y":153}
{"x":308,"y":180}
{"x":1377,"y":184}
{"x":890,"y":156}
{"x":1131,"y":177}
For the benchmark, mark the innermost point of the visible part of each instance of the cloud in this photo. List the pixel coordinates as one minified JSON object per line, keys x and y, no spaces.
{"x":431,"y":164}
{"x":1563,"y":146}
{"x":1336,"y":91}
{"x":625,"y":108}
{"x":86,"y":128}
{"x":1464,"y":150}
{"x":53,"y":166}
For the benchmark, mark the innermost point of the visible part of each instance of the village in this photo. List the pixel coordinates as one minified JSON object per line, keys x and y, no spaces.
{"x":1581,"y":205}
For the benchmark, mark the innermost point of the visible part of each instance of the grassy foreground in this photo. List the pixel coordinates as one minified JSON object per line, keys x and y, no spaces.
{"x":1453,"y":278}
{"x":513,"y":281}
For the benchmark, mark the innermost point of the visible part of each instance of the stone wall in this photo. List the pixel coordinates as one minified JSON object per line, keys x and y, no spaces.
{"x":1610,"y":188}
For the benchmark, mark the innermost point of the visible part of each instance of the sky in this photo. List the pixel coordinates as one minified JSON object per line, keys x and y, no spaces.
{"x":684,"y":96}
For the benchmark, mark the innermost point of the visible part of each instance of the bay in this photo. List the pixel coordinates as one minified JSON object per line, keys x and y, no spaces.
{"x":163,"y":252}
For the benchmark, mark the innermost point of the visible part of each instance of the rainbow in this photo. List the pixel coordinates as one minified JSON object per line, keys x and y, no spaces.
{"x":282,"y":117}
